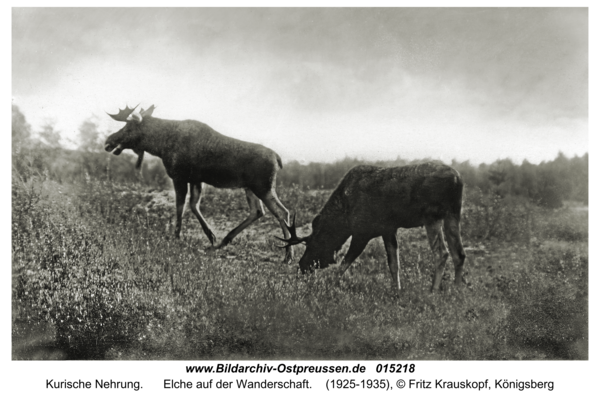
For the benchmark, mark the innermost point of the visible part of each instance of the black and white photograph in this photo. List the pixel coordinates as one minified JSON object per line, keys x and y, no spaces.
{"x":236,"y":186}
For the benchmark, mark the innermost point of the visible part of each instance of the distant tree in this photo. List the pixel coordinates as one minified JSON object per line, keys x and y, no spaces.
{"x":526,"y":180}
{"x":89,"y":136}
{"x":548,"y":193}
{"x":50,"y":135}
{"x":21,"y":130}
{"x":95,"y":163}
{"x":497,"y":176}
{"x":579,"y":176}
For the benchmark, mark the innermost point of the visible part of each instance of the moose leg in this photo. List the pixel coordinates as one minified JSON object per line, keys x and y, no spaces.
{"x":195,"y":195}
{"x":438,"y":246}
{"x":181,"y":189}
{"x":391,"y":248}
{"x":357,"y":245}
{"x":256,"y":211}
{"x":275,"y":206}
{"x":452,"y":233}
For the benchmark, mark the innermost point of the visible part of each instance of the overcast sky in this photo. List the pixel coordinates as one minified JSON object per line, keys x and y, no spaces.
{"x":319,"y":84}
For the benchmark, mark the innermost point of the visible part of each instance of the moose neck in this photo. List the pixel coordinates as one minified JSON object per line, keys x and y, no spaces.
{"x":333,"y":222}
{"x":156,"y":136}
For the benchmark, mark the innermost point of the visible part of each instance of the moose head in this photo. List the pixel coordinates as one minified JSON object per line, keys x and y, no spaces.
{"x":327,"y":237}
{"x":130,"y":135}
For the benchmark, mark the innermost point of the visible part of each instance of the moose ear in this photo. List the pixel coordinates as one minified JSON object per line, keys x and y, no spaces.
{"x":136,"y":117}
{"x":147,"y":112}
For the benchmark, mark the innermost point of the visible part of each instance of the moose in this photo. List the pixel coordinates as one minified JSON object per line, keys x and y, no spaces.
{"x":193,"y":153}
{"x":372,"y":201}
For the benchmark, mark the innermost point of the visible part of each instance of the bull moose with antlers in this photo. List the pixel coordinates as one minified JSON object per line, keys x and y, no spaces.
{"x":370,"y":202}
{"x":193,"y":153}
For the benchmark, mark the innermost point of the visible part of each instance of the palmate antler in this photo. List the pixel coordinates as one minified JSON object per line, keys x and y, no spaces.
{"x":294,"y":239}
{"x":147,"y":112}
{"x":123,"y":114}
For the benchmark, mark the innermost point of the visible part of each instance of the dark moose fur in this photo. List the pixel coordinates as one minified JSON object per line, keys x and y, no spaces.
{"x":193,"y":153}
{"x":371,"y":201}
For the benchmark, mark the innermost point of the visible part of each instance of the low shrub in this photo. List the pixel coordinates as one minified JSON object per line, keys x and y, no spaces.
{"x":549,"y":312}
{"x":106,"y":280}
{"x":565,"y":225}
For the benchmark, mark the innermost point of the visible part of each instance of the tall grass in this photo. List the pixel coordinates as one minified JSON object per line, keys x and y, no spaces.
{"x":97,"y":274}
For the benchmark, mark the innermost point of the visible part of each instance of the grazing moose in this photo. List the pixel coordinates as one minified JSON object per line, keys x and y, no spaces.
{"x":371,"y":201}
{"x":193,"y":154}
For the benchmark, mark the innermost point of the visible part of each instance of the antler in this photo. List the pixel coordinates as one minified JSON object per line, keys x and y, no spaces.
{"x":294,"y":239}
{"x":123,"y":114}
{"x":147,"y":112}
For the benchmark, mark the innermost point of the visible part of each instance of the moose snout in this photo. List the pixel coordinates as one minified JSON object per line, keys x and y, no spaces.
{"x":114,"y":149}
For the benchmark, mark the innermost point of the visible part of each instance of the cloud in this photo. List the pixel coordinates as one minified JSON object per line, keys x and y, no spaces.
{"x":424,"y":80}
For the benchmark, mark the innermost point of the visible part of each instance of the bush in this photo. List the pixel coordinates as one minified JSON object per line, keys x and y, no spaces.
{"x":565,"y":225}
{"x":68,"y":280}
{"x":95,"y":269}
{"x":549,"y":315}
{"x":71,"y":272}
{"x":488,"y":216}
{"x":551,"y":322}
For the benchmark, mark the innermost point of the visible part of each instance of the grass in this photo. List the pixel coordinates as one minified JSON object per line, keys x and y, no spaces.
{"x":97,"y":275}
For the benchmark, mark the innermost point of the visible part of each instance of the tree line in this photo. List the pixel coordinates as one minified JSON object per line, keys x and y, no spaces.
{"x":547,"y":184}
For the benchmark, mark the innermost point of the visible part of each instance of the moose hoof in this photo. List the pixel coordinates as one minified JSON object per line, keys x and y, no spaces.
{"x":436,"y":289}
{"x":210,"y":249}
{"x":287,"y":260}
{"x":396,"y":293}
{"x":212,"y":238}
{"x":224,"y":243}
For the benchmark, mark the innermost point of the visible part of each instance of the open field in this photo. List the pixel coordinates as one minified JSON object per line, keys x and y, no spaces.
{"x":97,"y":275}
